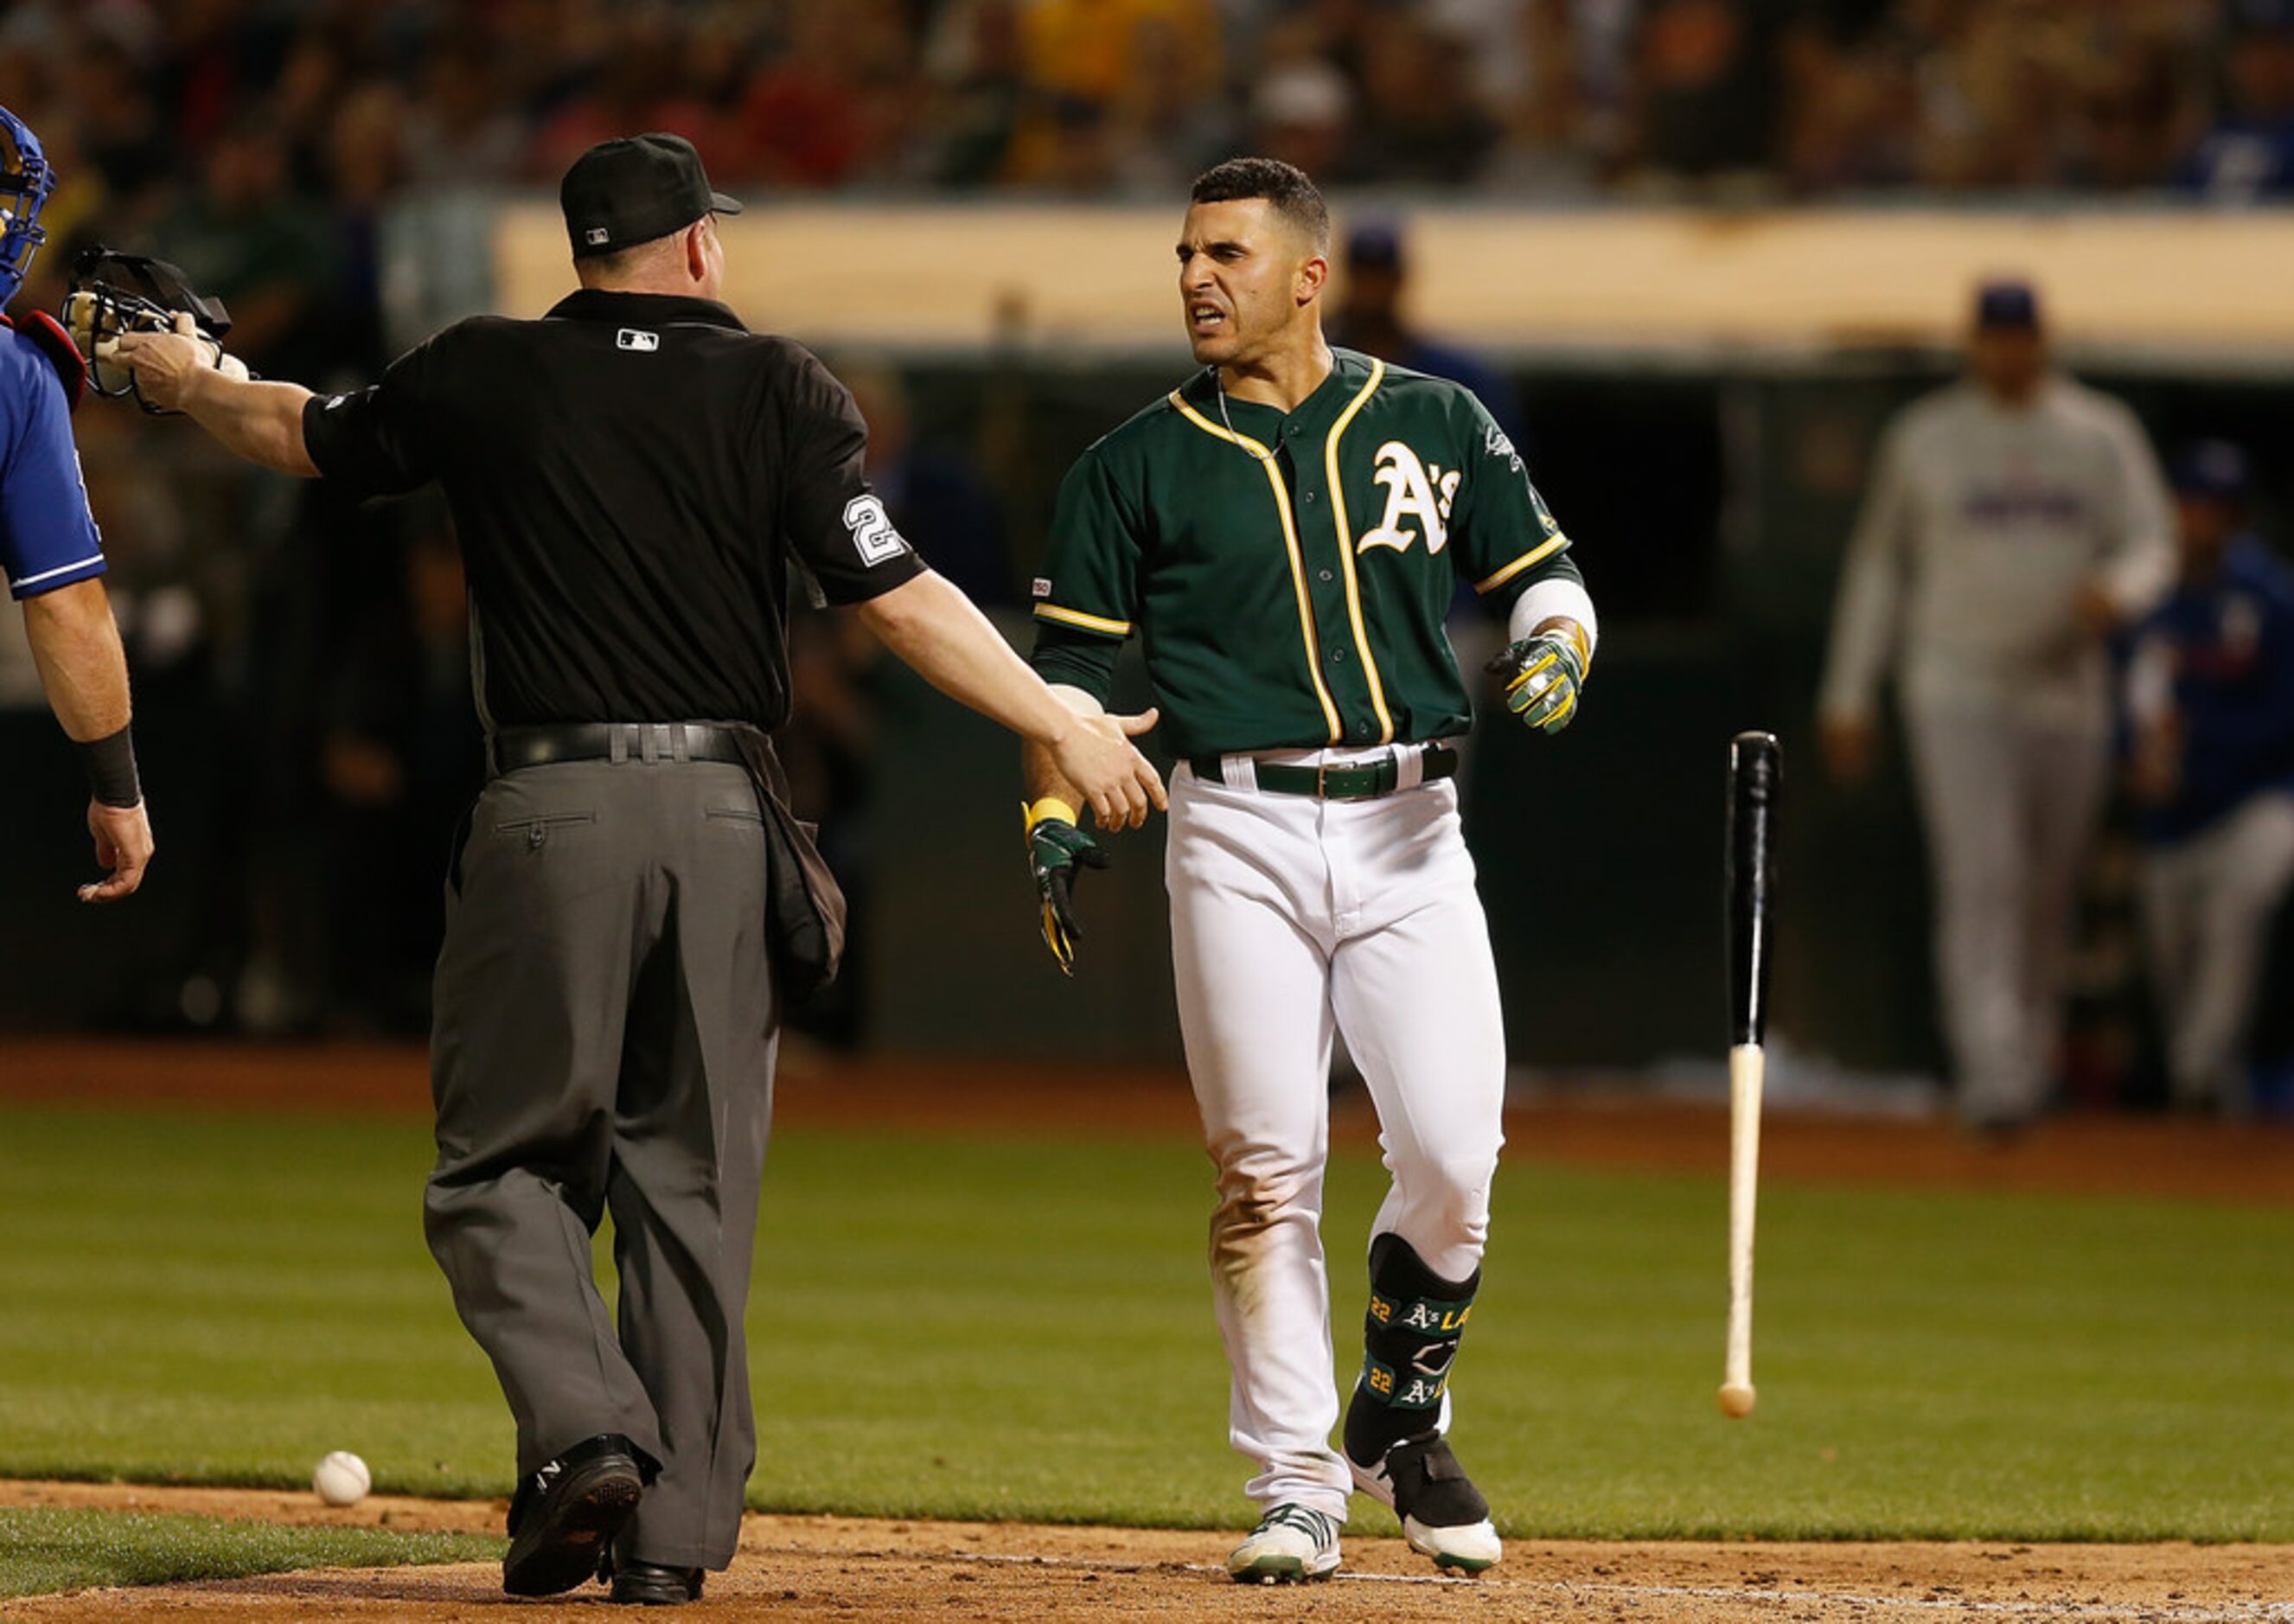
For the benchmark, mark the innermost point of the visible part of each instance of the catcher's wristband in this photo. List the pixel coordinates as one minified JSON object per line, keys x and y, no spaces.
{"x":110,"y":764}
{"x":1049,"y":810}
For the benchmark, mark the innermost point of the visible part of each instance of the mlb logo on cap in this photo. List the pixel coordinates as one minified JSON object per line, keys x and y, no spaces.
{"x":599,"y":236}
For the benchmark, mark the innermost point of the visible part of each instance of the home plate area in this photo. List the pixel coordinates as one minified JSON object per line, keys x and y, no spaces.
{"x":847,"y":1569}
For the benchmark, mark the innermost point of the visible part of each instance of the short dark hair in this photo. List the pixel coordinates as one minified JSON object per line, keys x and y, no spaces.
{"x":1283,"y":185}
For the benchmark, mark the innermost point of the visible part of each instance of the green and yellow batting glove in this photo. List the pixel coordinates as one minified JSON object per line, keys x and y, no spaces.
{"x":1542,"y":674}
{"x":1056,"y":849}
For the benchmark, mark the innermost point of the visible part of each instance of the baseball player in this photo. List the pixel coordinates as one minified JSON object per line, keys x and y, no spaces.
{"x":2015,"y":519}
{"x":1285,"y":531}
{"x":2210,"y":708}
{"x":49,"y":547}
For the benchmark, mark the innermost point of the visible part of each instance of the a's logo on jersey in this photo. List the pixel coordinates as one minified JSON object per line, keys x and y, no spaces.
{"x":1413,"y":490}
{"x":872,"y":531}
{"x":637,"y":338}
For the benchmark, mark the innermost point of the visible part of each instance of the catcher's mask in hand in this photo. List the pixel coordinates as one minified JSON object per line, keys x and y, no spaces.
{"x":114,"y":293}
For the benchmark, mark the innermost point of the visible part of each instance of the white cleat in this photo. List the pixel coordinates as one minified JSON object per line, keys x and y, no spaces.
{"x":1443,"y":1515}
{"x":1290,"y":1543}
{"x":1469,"y":1547}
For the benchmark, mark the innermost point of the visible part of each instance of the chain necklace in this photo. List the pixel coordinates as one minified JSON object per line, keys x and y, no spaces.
{"x":1219,"y":388}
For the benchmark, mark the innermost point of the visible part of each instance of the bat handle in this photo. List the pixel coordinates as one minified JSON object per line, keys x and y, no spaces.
{"x":1746,"y":1067}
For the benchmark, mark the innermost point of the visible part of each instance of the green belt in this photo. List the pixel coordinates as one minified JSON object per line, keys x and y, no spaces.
{"x":1359,"y":781}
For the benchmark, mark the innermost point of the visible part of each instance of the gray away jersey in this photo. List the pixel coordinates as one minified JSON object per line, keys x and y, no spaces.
{"x":1981,"y":526}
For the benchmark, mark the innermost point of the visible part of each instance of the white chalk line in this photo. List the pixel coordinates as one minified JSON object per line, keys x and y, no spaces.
{"x":2150,"y":1612}
{"x":2234,"y":1613}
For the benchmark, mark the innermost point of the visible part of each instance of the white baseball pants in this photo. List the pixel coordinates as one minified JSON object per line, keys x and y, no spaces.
{"x":2010,"y":801}
{"x":2207,"y":906}
{"x":1292,"y":919}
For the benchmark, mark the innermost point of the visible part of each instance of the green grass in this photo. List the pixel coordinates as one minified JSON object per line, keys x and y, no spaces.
{"x":961,"y":1327}
{"x":49,"y":1549}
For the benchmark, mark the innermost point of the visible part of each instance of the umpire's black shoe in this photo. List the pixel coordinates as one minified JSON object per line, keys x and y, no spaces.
{"x":649,"y":1584}
{"x":566,"y":1514}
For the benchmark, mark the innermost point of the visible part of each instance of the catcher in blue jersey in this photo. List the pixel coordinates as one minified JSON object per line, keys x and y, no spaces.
{"x":49,"y":547}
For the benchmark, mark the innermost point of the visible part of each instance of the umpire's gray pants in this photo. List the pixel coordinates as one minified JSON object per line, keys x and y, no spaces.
{"x":603,"y":1039}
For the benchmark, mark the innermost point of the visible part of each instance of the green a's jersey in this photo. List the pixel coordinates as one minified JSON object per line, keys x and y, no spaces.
{"x":1291,"y":576}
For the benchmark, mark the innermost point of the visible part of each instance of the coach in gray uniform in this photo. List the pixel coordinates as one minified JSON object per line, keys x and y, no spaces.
{"x":2013,"y":519}
{"x":632,"y":477}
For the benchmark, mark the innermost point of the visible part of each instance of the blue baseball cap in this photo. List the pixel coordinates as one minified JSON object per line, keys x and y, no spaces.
{"x":1376,"y":244}
{"x":2007,"y":306}
{"x":2215,"y":469}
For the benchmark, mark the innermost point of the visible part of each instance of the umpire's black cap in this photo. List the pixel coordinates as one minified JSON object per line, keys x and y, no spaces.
{"x":619,"y":193}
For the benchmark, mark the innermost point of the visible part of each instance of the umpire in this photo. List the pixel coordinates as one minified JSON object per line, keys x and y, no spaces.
{"x":632,"y":478}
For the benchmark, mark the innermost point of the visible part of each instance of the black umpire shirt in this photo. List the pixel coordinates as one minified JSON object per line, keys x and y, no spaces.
{"x":631,"y":476}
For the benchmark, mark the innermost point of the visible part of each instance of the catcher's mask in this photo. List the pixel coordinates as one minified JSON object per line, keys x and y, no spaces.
{"x":114,"y":293}
{"x":25,"y":182}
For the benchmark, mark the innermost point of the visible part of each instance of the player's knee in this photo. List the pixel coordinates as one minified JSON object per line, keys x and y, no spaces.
{"x":1445,"y":1198}
{"x":1260,"y":1188}
{"x":1458,"y":1176}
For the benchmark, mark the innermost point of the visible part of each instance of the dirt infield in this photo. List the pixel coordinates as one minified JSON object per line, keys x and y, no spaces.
{"x":2103,"y":1154}
{"x":843,"y":1568}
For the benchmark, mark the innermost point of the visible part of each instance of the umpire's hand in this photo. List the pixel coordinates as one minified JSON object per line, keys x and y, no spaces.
{"x":1097,"y":756}
{"x":165,"y":363}
{"x":941,"y":633}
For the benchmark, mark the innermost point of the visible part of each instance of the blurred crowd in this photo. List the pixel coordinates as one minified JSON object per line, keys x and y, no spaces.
{"x":180,"y":111}
{"x":305,"y":660}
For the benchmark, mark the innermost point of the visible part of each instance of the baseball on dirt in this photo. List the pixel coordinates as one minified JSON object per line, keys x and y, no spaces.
{"x":341,"y":1479}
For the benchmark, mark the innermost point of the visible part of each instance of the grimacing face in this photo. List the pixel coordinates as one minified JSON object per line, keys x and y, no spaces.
{"x":1246,"y":279}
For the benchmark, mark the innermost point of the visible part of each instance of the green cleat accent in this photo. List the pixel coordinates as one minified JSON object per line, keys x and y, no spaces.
{"x":1290,"y":1545}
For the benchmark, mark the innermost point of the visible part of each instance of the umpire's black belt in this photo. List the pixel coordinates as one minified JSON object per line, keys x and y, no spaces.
{"x":1335,"y":781}
{"x":612,"y":741}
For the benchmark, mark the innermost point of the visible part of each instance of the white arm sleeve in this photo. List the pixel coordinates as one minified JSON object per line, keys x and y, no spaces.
{"x":1865,"y":616}
{"x":1555,"y":596}
{"x":2142,"y":563}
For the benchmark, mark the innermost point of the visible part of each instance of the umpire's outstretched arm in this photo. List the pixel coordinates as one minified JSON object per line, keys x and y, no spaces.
{"x":936,"y":629}
{"x":928,"y":623}
{"x":259,"y":421}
